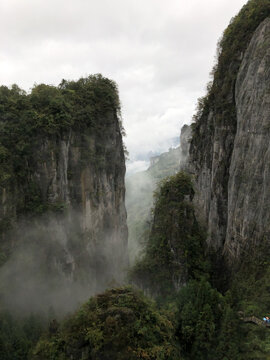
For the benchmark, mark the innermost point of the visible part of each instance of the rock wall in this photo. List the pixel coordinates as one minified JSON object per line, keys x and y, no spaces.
{"x":75,"y":243}
{"x":248,"y":185}
{"x":230,"y":159}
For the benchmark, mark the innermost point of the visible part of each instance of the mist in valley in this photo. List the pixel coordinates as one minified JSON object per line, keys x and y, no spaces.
{"x":140,"y":189}
{"x":55,"y":265}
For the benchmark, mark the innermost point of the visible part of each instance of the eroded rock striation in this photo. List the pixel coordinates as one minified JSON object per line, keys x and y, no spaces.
{"x":230,"y":149}
{"x":248,"y":185}
{"x":63,"y":217}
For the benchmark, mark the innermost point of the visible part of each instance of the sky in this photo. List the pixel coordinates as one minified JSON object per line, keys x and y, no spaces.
{"x":159,"y":52}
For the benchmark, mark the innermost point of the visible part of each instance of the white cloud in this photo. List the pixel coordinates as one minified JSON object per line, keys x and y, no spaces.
{"x":160,"y":53}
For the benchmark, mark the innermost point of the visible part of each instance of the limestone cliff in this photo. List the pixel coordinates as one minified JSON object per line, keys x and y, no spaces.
{"x":64,"y":221}
{"x":248,"y":185}
{"x":229,"y":154}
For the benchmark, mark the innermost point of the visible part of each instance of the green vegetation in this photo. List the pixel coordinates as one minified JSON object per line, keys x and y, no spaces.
{"x":119,"y":324}
{"x":49,"y":113}
{"x":248,"y":289}
{"x":177,"y":270}
{"x":32,"y":129}
{"x":19,"y":335}
{"x":195,"y":316}
{"x":194,"y":321}
{"x":175,"y":248}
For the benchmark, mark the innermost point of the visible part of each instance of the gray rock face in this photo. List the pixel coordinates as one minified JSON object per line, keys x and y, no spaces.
{"x":79,"y":245}
{"x":249,"y":191}
{"x":231,"y":163}
{"x":209,"y":162}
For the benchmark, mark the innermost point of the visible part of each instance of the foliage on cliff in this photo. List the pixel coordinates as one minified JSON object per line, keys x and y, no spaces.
{"x":208,"y":324}
{"x":48,"y":111}
{"x":119,"y":324}
{"x":174,"y":251}
{"x":220,"y":92}
{"x":35,"y":127}
{"x":18,"y":335}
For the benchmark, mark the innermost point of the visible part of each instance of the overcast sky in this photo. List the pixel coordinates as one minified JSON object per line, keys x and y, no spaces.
{"x":159,"y":52}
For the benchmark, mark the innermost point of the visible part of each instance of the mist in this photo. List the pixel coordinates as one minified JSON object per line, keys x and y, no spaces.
{"x":55,"y":265}
{"x":57,"y":262}
{"x":139,"y":201}
{"x":140,"y":189}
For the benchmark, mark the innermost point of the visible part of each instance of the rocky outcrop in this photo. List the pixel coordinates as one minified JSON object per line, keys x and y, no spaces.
{"x":67,"y":235}
{"x":229,"y":154}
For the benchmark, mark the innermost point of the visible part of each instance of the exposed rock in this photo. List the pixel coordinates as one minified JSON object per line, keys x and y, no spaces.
{"x":230,"y":159}
{"x":77,"y":246}
{"x":248,"y":185}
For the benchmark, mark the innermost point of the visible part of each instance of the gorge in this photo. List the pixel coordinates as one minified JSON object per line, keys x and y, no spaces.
{"x":202,"y":269}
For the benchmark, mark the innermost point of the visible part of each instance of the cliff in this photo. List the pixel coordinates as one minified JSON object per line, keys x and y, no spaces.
{"x":63,"y":218}
{"x":229,"y":154}
{"x":249,"y":193}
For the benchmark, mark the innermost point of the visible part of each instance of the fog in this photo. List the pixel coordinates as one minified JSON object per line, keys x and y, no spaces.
{"x":140,"y":188}
{"x":139,"y":201}
{"x":54,"y":265}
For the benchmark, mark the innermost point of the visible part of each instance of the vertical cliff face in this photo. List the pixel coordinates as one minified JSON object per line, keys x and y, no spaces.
{"x":229,"y":147}
{"x":63,"y":217}
{"x":248,"y":185}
